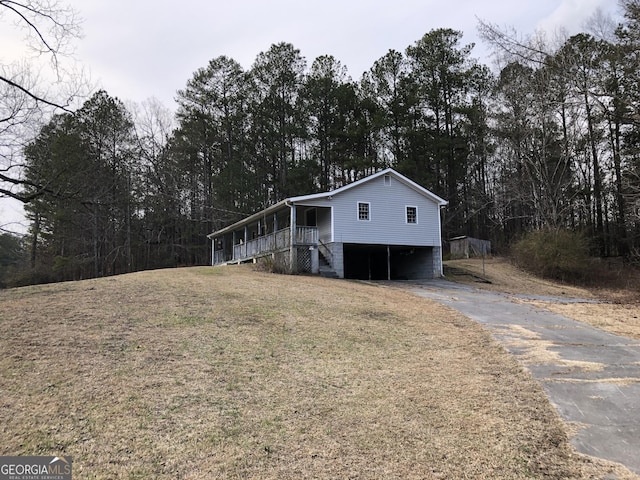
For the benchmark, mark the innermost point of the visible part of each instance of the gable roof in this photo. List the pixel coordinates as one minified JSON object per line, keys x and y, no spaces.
{"x":316,"y":196}
{"x":387,"y":171}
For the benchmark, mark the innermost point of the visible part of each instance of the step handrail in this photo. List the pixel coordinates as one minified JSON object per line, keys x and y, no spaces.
{"x":325,"y":252}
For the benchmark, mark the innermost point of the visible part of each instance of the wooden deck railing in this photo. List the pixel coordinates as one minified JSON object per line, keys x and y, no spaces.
{"x":272,"y":242}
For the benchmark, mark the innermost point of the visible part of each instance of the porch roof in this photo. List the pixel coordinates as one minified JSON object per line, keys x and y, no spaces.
{"x":252,"y":218}
{"x":288,"y":202}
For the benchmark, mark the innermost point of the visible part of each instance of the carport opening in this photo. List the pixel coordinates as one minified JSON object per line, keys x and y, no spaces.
{"x":379,"y":262}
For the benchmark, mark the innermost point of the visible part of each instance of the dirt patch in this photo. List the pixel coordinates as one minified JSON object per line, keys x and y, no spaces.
{"x":229,"y":373}
{"x":540,"y":352}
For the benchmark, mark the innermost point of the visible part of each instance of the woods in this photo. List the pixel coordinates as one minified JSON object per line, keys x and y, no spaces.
{"x":548,"y":140}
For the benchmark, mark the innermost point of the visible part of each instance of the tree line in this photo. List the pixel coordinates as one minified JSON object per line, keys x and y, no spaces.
{"x":548,"y":141}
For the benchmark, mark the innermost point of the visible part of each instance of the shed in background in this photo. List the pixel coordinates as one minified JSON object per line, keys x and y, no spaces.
{"x":468,"y":247}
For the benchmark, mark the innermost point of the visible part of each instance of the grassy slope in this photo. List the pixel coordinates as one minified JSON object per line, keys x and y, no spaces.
{"x":229,"y":373}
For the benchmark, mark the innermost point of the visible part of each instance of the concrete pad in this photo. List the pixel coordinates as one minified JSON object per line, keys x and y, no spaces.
{"x":610,"y":442}
{"x":592,"y":377}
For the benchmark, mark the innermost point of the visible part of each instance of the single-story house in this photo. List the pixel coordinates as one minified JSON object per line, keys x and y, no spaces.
{"x":384,"y":226}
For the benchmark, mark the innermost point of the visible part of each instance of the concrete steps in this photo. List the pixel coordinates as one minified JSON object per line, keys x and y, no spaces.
{"x":325,"y":269}
{"x":327,"y":272}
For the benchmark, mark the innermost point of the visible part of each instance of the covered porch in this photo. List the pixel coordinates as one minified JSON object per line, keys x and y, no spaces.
{"x":285,"y":232}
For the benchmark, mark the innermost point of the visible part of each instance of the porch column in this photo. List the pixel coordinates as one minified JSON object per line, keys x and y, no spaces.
{"x":388,"y":262}
{"x":234,"y":240}
{"x":246,"y":239}
{"x":315,"y":260}
{"x":293,"y":252}
{"x":213,"y":251}
{"x":275,"y":222}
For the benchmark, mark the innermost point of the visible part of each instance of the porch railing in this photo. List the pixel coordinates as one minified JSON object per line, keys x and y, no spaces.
{"x":280,"y":240}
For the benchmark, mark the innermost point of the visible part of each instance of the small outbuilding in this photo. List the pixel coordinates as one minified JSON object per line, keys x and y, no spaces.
{"x":467,"y":247}
{"x":384,"y":226}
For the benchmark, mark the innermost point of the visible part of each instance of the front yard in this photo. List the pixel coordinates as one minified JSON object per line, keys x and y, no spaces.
{"x":230,"y":373}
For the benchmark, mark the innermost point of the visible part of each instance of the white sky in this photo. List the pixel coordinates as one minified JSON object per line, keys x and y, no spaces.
{"x":150,"y":48}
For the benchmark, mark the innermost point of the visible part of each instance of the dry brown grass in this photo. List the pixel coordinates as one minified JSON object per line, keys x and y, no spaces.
{"x":618,"y":312}
{"x":229,"y":373}
{"x":620,"y":319}
{"x":506,"y":277}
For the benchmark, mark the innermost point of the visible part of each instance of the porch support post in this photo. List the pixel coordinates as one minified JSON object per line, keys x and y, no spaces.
{"x":275,"y":222}
{"x":315,"y":260}
{"x":293,"y":252}
{"x":234,"y":240}
{"x":223,"y":244}
{"x":213,"y":251}
{"x":246,"y":239}
{"x":388,"y":262}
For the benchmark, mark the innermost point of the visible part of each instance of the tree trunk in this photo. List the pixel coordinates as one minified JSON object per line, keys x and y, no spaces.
{"x":597,"y":179}
{"x":34,"y":239}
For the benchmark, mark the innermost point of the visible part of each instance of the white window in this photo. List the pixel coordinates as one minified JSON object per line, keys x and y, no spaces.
{"x":387,"y":180}
{"x":412,"y":214}
{"x":363,"y":211}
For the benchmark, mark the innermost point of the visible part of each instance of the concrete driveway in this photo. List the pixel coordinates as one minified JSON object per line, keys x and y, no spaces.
{"x":592,"y":377}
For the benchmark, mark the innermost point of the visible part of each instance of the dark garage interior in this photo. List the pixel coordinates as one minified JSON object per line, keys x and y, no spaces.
{"x":380,"y":262}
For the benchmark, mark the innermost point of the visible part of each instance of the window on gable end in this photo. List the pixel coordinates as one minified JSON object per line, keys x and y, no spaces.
{"x":412,"y":215}
{"x":363,"y":211}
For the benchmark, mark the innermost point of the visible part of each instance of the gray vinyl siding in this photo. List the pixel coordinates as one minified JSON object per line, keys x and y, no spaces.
{"x":387,"y":224}
{"x":324,"y":225}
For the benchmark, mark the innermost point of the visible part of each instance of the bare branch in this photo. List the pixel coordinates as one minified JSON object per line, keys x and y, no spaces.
{"x":10,"y":5}
{"x":36,"y":16}
{"x":50,"y":27}
{"x":33,"y":95}
{"x":507,"y":42}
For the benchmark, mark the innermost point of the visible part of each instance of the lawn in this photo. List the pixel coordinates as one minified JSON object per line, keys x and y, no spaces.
{"x":202,"y":373}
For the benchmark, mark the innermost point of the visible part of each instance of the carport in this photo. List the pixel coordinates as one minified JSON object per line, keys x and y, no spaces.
{"x":387,"y":262}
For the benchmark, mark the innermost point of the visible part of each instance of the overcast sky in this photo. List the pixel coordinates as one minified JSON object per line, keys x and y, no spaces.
{"x":150,"y":48}
{"x":144,"y":48}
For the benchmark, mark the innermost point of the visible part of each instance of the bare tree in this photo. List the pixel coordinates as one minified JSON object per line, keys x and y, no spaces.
{"x":602,"y":26}
{"x":48,"y":28}
{"x":154,"y":124}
